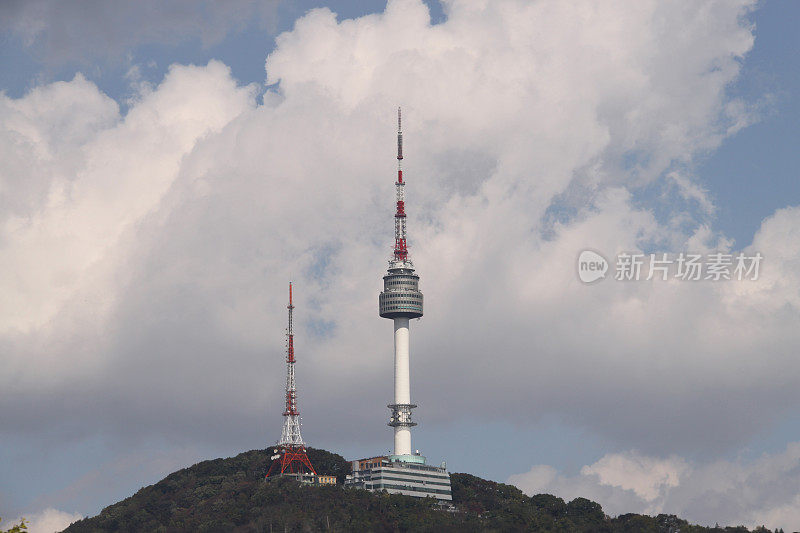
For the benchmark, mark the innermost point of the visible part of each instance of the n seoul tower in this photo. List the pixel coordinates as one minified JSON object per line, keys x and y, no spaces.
{"x":403,"y":472}
{"x":400,"y":301}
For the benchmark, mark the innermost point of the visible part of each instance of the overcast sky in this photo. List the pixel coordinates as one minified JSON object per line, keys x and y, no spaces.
{"x":168,"y":167}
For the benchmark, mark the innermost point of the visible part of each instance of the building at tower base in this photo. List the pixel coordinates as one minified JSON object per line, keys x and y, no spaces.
{"x":408,"y":475}
{"x":305,"y":477}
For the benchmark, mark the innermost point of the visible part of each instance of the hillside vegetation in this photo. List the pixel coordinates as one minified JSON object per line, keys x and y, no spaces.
{"x":230,"y":495}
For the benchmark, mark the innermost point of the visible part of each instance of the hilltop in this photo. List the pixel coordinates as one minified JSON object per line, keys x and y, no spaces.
{"x":230,"y":495}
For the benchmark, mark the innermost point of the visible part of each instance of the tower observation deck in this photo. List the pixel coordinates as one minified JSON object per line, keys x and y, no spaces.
{"x":401,"y":297}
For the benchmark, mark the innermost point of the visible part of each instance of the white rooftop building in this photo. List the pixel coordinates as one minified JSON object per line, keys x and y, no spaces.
{"x":408,"y":475}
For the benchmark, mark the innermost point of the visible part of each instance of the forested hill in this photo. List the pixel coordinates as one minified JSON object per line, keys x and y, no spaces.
{"x":230,"y":495}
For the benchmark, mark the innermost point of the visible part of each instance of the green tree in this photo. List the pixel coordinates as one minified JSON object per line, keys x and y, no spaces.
{"x":22,"y":526}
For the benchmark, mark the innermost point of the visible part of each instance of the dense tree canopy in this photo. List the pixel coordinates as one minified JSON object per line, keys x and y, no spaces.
{"x":231,"y":495}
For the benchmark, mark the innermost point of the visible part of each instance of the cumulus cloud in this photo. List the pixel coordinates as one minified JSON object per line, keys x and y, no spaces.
{"x":644,"y":476}
{"x":764,"y":491}
{"x":49,"y":520}
{"x":149,"y":253}
{"x":221,"y":200}
{"x":84,"y":175}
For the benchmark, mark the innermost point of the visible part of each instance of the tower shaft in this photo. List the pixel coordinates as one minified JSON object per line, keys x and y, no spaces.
{"x":402,"y":387}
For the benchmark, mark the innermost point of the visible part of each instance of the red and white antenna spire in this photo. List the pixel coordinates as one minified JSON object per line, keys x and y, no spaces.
{"x":400,"y":246}
{"x":291,"y":453}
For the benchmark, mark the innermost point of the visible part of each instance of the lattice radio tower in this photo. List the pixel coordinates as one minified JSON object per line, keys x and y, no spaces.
{"x":290,"y":455}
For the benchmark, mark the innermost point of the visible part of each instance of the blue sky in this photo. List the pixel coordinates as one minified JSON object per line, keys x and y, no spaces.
{"x":755,"y":172}
{"x":178,"y":280}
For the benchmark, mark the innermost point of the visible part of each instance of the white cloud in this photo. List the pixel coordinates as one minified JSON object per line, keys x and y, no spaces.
{"x":692,"y":191}
{"x":645,"y":476}
{"x":98,"y":174}
{"x":49,"y":520}
{"x":43,"y":138}
{"x":764,"y":491}
{"x":181,"y":195}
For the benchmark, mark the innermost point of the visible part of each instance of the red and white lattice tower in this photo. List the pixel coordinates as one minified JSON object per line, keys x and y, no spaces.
{"x":290,"y":455}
